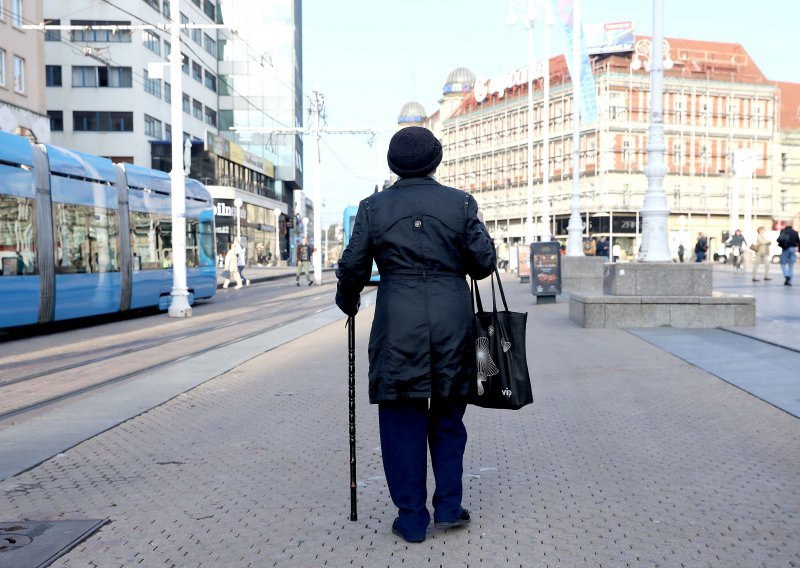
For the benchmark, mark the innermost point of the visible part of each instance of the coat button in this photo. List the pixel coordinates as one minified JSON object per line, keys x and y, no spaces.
{"x":417,"y":223}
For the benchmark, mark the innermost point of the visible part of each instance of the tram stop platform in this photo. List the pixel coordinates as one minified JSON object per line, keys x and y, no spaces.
{"x":630,"y":456}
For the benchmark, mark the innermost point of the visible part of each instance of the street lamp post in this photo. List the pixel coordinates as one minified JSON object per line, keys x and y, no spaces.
{"x":528,"y":19}
{"x":277,"y":235}
{"x":574,"y":231}
{"x":655,"y":246}
{"x":238,"y":204}
{"x":179,"y":305}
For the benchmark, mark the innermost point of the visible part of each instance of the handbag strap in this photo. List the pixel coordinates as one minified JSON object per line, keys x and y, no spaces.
{"x":476,"y":295}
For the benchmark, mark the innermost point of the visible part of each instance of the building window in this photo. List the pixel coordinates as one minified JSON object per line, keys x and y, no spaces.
{"x":197,"y":36}
{"x":211,"y":81}
{"x":210,"y":45}
{"x":704,"y":114}
{"x":679,"y":108}
{"x":2,"y":11}
{"x":102,"y":121}
{"x":196,"y":3}
{"x":153,"y":4}
{"x":103,"y":36}
{"x":19,"y":74}
{"x":165,"y":8}
{"x":167,"y":92}
{"x":49,"y":35}
{"x":627,"y":155}
{"x":211,"y":117}
{"x":197,"y":72}
{"x":167,"y":49}
{"x":151,"y":41}
{"x":677,"y":153}
{"x":185,"y":63}
{"x":16,"y":13}
{"x":2,"y":68}
{"x":91,"y":76}
{"x":184,"y":20}
{"x":56,"y":120}
{"x":210,"y":10}
{"x":152,"y":127}
{"x":225,"y":87}
{"x":197,"y":109}
{"x":168,"y":131}
{"x":152,"y":86}
{"x":187,"y":104}
{"x":52,"y":75}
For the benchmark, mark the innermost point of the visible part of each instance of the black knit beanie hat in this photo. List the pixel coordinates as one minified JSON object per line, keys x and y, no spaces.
{"x":414,"y":152}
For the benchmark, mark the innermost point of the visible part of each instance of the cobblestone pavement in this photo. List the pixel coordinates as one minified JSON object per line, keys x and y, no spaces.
{"x":628,"y":457}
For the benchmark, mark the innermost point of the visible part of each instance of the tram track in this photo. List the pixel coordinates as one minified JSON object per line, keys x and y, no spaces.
{"x":42,"y":382}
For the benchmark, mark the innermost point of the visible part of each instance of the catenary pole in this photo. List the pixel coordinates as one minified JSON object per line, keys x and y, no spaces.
{"x":574,"y":231}
{"x":655,"y":245}
{"x":179,"y":306}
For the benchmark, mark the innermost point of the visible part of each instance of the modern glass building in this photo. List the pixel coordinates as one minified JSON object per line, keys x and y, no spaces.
{"x":260,"y":83}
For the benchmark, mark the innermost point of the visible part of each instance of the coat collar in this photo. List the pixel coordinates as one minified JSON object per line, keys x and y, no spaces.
{"x":404,"y":182}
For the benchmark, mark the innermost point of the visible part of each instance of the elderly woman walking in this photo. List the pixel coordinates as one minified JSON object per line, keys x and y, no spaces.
{"x":426,"y":239}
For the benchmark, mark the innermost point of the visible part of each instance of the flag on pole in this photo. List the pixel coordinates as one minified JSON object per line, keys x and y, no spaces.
{"x":565,"y":10}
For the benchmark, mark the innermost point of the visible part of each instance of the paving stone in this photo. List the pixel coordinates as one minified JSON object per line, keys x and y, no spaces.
{"x":628,"y":457}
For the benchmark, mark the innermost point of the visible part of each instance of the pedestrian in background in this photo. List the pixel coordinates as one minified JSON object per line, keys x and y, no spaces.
{"x":616,"y":252}
{"x":761,"y":254}
{"x":737,"y":243}
{"x":241,"y":259}
{"x":700,"y":248}
{"x":425,"y":238}
{"x":602,"y":247}
{"x":788,"y":240}
{"x":590,"y":246}
{"x":304,"y":252}
{"x":231,"y":266}
{"x":681,"y":252}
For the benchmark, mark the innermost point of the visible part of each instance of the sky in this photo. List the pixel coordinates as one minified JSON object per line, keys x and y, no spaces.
{"x":369,"y":58}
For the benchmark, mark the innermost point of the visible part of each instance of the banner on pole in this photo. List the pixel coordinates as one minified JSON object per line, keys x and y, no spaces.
{"x":564,"y":9}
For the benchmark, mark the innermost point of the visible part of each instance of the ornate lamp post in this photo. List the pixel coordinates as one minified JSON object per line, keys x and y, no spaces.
{"x":655,"y":58}
{"x":528,"y":19}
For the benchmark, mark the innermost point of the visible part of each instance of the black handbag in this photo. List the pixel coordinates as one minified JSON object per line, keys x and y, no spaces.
{"x":502,"y":379}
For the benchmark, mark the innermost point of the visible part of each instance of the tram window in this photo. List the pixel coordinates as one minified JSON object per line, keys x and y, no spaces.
{"x":145,"y":239}
{"x":207,"y":258}
{"x":17,"y":233}
{"x":192,"y":239}
{"x":86,"y":239}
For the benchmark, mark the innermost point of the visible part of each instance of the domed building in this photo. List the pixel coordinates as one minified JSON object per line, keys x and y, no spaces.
{"x":412,"y":114}
{"x":460,"y":80}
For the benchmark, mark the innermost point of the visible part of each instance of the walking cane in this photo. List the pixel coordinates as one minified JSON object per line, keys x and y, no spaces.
{"x":351,"y":345}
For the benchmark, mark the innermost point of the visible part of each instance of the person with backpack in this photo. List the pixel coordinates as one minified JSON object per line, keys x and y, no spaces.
{"x":788,"y":240}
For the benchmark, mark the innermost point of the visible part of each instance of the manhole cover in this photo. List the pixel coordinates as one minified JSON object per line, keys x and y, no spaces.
{"x":10,"y":540}
{"x":36,"y":544}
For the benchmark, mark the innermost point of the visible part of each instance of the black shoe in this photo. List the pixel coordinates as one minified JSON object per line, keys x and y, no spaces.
{"x":786,"y":281}
{"x":298,"y":283}
{"x":462,"y":520}
{"x":756,"y":280}
{"x":396,"y":532}
{"x":767,"y":278}
{"x":310,"y":282}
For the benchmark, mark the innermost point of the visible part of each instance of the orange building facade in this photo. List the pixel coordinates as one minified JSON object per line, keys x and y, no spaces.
{"x":731,"y":146}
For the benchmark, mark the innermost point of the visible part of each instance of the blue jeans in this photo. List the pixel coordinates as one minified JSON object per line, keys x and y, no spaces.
{"x":406,"y":428}
{"x":699,"y":256}
{"x":787,"y":261}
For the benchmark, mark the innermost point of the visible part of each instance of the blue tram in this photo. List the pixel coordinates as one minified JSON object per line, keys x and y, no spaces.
{"x":81,"y":236}
{"x":348,"y":222}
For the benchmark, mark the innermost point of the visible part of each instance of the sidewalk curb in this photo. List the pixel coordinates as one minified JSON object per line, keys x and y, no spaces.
{"x":270,"y":277}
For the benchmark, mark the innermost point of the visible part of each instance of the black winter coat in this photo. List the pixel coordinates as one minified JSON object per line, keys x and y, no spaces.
{"x":425,"y":238}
